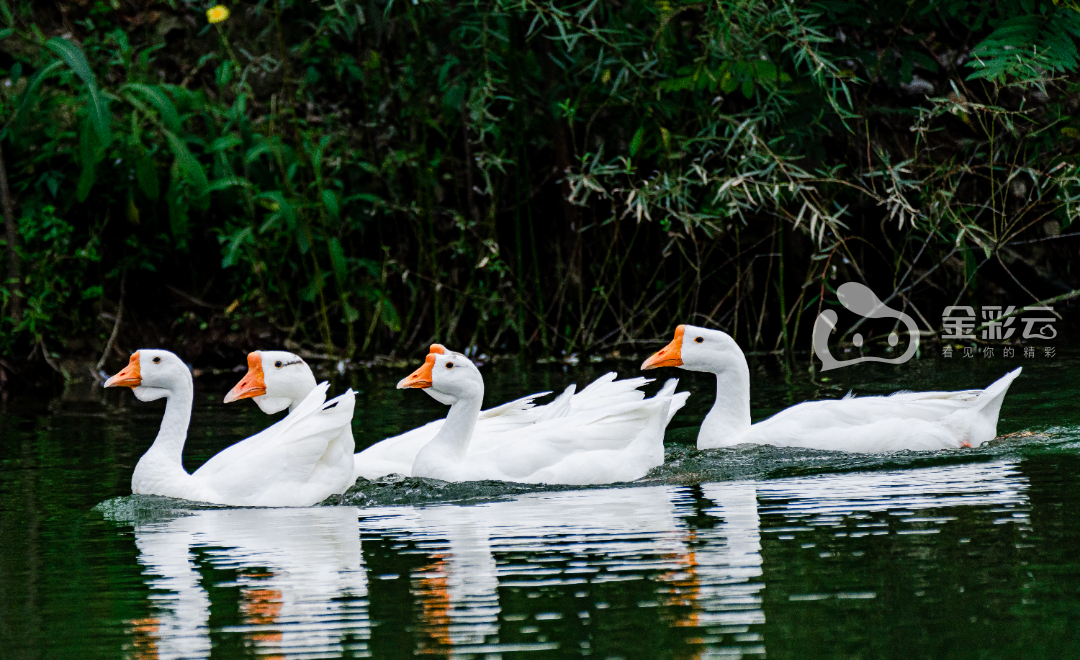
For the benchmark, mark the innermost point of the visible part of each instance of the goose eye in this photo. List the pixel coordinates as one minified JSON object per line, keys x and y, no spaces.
{"x":278,"y":364}
{"x":700,"y":339}
{"x":449,"y":365}
{"x":157,"y":360}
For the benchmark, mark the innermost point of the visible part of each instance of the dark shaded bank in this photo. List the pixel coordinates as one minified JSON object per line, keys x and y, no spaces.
{"x":356,"y":179}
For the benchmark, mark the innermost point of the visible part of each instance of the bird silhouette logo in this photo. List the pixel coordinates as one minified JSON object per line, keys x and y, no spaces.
{"x":860,"y":299}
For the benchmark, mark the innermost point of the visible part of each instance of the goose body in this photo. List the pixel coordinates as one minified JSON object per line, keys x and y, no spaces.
{"x":617,"y":441}
{"x":295,"y":462}
{"x":494,"y":427}
{"x":919,"y":421}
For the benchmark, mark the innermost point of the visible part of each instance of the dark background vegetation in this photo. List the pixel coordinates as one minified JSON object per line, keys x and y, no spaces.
{"x":359,"y":178}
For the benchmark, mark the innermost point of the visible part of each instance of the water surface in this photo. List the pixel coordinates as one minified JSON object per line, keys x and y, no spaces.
{"x":745,"y":552}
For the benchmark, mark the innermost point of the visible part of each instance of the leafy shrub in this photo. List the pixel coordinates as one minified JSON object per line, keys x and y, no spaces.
{"x":359,"y":176}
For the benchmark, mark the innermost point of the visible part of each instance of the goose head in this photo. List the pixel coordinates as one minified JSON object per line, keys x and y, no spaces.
{"x":447,"y":376}
{"x":276,"y":380}
{"x":153,"y":374}
{"x":698,"y":349}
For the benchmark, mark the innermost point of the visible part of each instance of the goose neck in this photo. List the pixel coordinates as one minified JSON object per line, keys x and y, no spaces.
{"x":730,"y":414}
{"x":167,"y":450}
{"x":456,"y":432}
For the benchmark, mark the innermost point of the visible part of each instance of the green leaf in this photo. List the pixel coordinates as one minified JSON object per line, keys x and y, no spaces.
{"x":178,"y":211}
{"x":86,"y":181}
{"x":147,"y":176}
{"x":29,"y":94}
{"x":263,"y":147}
{"x":389,"y":315}
{"x":286,"y":213}
{"x":226,"y":182}
{"x":232,"y":256}
{"x":375,"y":200}
{"x":90,"y":154}
{"x":157,"y":98}
{"x":764,"y":70}
{"x":308,"y":293}
{"x":303,"y":241}
{"x":190,"y":168}
{"x":748,"y":89}
{"x":728,"y":82}
{"x":337,"y":258}
{"x":224,"y":73}
{"x":330,"y":201}
{"x":1024,"y":46}
{"x":454,"y":98}
{"x":635,"y":142}
{"x":351,"y":314}
{"x":99,"y":110}
{"x":224,"y":142}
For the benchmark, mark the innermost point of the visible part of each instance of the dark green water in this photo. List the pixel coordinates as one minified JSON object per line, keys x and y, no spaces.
{"x":749,"y":552}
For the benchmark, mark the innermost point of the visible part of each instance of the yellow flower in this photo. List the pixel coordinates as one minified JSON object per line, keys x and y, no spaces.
{"x":217,"y":14}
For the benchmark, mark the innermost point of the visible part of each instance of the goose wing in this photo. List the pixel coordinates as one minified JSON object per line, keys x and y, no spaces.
{"x":542,"y":446}
{"x":282,"y":455}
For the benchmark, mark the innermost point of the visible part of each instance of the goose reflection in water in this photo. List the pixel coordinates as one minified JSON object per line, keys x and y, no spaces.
{"x":300,"y":573}
{"x":581,"y":541}
{"x":570,"y":570}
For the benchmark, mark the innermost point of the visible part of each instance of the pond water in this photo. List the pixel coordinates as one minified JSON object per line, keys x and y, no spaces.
{"x":745,"y":552}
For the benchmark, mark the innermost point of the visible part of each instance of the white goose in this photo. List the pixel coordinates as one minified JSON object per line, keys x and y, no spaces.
{"x":618,"y":442}
{"x":277,"y":380}
{"x":288,"y":464}
{"x":905,"y":420}
{"x":395,"y":455}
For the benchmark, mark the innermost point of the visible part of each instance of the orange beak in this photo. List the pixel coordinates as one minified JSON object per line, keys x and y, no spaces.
{"x":421,"y":378}
{"x":252,"y":384}
{"x":129,"y":376}
{"x":668,"y":356}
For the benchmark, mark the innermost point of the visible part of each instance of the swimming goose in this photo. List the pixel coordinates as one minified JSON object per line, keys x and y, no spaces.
{"x":278,"y":467}
{"x":277,"y":380}
{"x":616,"y":442}
{"x":395,"y":455}
{"x":905,"y":420}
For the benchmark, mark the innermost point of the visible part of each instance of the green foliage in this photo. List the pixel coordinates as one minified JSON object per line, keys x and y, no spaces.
{"x":1028,"y":47}
{"x":56,"y":262}
{"x":367,"y":177}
